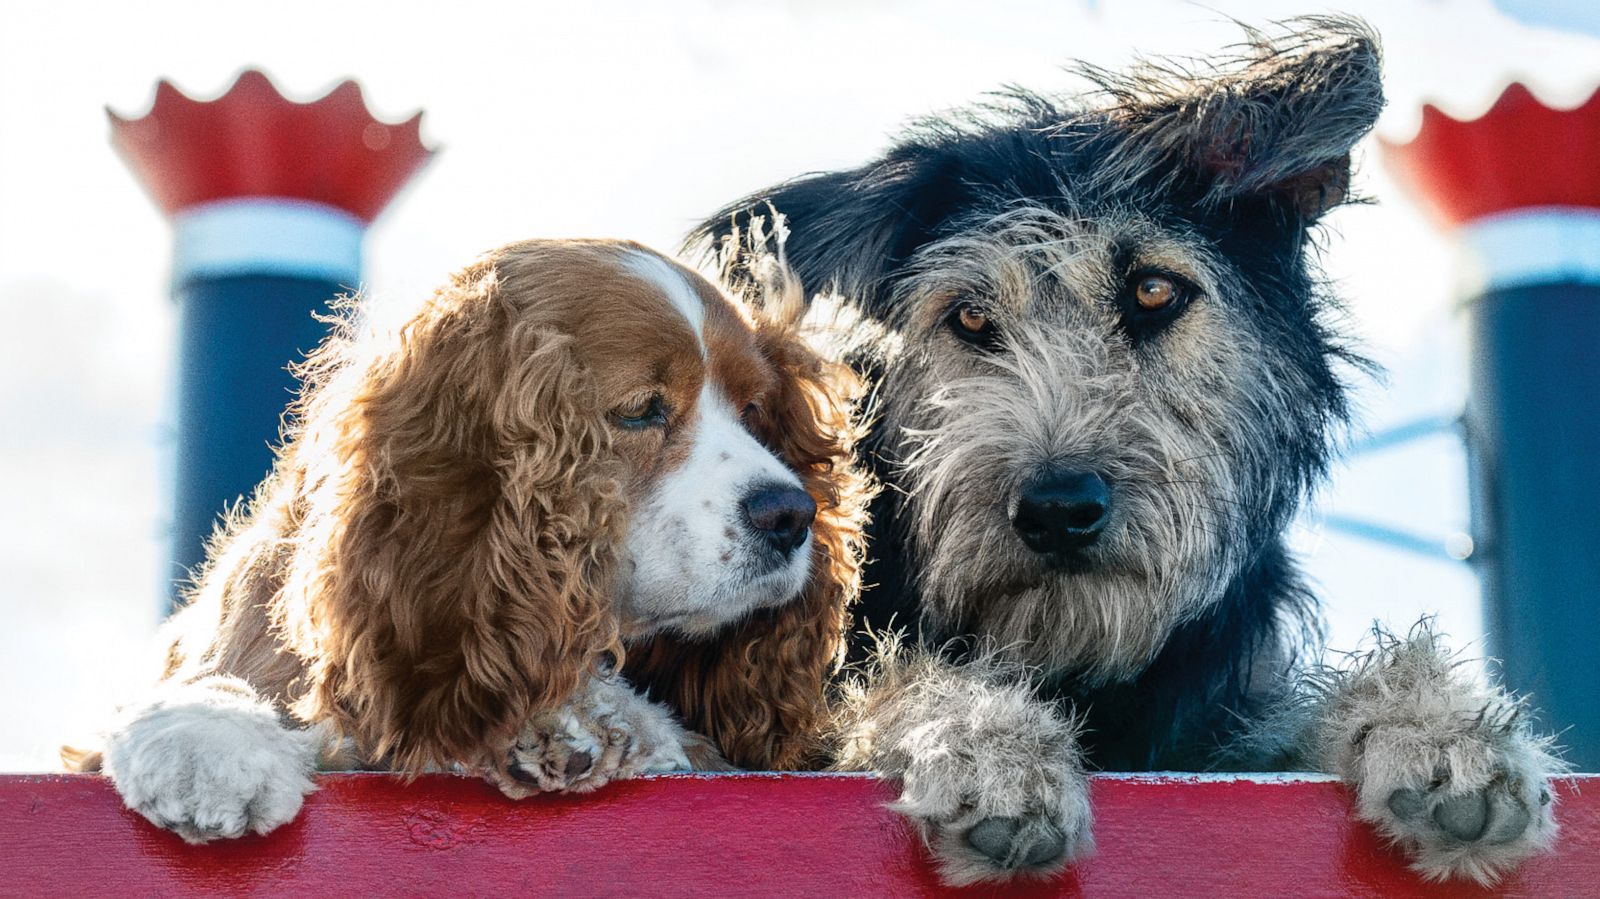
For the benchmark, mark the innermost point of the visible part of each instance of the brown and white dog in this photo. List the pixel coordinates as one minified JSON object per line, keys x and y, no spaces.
{"x":572,"y":452}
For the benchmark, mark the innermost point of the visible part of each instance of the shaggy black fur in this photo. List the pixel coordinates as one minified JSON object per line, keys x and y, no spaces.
{"x":1247,"y":154}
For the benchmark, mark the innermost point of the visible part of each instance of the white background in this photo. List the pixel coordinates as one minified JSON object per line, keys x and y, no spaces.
{"x":605,"y":119}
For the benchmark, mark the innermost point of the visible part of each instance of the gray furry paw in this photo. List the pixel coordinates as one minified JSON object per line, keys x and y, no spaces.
{"x":607,"y":732}
{"x":1466,"y":798}
{"x":997,"y":790}
{"x":1444,"y":768}
{"x":991,"y":777}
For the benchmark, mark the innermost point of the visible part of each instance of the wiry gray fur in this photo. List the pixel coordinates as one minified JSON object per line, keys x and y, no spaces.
{"x":974,"y":749}
{"x":1161,"y":426}
{"x":1178,"y":627}
{"x":1445,"y":766}
{"x":1325,"y":69}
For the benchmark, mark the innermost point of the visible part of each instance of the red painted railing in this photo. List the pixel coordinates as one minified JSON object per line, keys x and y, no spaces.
{"x":744,"y":835}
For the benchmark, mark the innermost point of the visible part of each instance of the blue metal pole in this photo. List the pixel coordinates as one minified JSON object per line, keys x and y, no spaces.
{"x":269,"y":200}
{"x":254,"y":279}
{"x":236,"y":337}
{"x":1533,"y":426}
{"x":1519,"y":188}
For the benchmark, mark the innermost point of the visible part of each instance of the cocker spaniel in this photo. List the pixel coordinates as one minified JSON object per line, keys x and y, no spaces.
{"x":574,"y":453}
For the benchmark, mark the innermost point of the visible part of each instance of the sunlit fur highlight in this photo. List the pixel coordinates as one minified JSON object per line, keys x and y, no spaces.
{"x":452,"y":571}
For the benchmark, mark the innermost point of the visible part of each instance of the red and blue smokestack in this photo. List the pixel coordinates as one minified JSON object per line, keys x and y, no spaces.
{"x":269,"y":201}
{"x":1520,"y":188}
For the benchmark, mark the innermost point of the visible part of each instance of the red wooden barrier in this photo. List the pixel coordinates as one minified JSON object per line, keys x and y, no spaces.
{"x":735,"y":835}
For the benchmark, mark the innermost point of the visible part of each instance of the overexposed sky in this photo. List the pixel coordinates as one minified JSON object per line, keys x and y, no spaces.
{"x":604,"y":119}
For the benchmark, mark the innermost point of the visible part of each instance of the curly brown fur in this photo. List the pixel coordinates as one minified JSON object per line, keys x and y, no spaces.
{"x":426,"y":566}
{"x":445,"y":551}
{"x":452,"y":569}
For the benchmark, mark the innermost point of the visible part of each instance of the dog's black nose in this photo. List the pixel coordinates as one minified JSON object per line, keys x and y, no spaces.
{"x":781,"y":514}
{"x":1062,"y":511}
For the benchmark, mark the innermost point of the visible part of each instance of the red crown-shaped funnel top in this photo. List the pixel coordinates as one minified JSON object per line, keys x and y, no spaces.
{"x":254,"y":142}
{"x":1520,"y":154}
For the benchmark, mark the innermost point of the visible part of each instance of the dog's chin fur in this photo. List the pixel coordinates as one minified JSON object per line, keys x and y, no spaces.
{"x":711,"y":607}
{"x":1101,"y":628}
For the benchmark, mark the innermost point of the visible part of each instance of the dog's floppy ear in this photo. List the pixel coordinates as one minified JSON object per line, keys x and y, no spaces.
{"x":460,"y":525}
{"x":759,"y":691}
{"x":852,"y":230}
{"x":1278,"y":122}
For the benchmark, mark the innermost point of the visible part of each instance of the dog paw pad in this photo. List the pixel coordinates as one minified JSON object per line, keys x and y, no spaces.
{"x":1464,"y":817}
{"x":1011,"y":843}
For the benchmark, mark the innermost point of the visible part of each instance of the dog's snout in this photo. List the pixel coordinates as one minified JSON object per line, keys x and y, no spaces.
{"x":1062,"y":511}
{"x":780,"y":514}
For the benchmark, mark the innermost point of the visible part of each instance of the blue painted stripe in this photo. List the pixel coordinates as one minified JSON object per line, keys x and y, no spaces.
{"x":1437,"y":549}
{"x":1400,"y":435}
{"x":1541,"y":245}
{"x":267,"y":236}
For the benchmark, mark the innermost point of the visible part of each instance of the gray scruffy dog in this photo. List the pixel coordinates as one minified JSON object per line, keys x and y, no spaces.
{"x":1106,"y":375}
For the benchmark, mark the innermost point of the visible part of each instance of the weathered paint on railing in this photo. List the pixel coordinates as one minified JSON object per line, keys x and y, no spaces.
{"x":736,"y":835}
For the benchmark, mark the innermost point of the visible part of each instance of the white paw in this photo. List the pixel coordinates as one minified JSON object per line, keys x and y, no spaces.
{"x":1465,"y":799}
{"x":997,"y":791}
{"x":606,"y":733}
{"x":211,"y":765}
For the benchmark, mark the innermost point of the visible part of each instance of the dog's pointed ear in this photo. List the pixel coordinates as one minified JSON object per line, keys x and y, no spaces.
{"x":851,"y":230}
{"x":1278,"y":122}
{"x":461,"y":523}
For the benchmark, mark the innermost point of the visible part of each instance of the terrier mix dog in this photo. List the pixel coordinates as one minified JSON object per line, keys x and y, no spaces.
{"x":1106,"y":374}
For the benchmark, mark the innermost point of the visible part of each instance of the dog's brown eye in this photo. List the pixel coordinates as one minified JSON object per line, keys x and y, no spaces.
{"x":1155,"y":292}
{"x":1151,"y":300}
{"x":646,"y":412}
{"x":971,"y":323}
{"x":749,"y":413}
{"x":972,"y":318}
